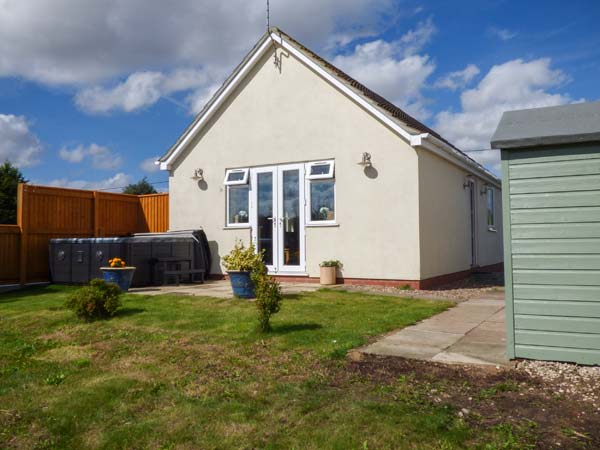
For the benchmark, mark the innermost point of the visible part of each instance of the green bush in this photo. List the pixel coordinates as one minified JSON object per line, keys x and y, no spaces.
{"x":331,"y":263}
{"x":268,"y":298}
{"x":243,"y":259}
{"x":97,"y":301}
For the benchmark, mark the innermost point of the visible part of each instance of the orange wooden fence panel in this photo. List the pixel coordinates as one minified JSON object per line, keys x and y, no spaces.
{"x":10,"y":249}
{"x":155,"y":210}
{"x":46,"y":212}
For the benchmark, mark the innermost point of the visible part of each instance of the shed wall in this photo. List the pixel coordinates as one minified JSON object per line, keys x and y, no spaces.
{"x":553,"y":252}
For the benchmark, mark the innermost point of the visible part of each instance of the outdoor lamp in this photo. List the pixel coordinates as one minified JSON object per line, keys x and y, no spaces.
{"x":198,"y":175}
{"x":366,"y":160}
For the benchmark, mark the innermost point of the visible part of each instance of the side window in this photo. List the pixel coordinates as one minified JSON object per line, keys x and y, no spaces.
{"x":321,"y":192}
{"x":238,"y":197}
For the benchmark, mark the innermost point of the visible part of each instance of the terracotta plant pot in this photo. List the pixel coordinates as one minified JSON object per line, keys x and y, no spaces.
{"x":328,"y":275}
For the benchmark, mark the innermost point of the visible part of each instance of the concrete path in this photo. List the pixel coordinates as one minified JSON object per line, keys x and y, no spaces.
{"x":472,"y":332}
{"x":216,"y":288}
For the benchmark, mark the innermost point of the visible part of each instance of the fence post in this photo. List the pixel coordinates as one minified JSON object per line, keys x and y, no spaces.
{"x":23,"y":222}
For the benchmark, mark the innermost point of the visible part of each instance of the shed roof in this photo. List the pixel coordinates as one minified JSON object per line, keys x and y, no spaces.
{"x":579,"y":122}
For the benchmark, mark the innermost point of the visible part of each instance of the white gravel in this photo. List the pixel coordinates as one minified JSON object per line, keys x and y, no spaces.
{"x":458,"y":291}
{"x":567,"y":379}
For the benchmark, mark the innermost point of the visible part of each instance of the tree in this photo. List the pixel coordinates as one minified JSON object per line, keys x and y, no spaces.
{"x":142,"y":187}
{"x":10,"y":177}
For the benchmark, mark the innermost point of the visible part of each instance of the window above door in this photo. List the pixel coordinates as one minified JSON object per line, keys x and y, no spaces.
{"x":236,"y":176}
{"x":320,"y":170}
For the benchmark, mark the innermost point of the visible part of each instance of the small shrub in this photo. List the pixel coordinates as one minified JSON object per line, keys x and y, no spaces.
{"x":243,"y":259}
{"x":99,"y":300}
{"x":268,"y":297}
{"x":331,"y":263}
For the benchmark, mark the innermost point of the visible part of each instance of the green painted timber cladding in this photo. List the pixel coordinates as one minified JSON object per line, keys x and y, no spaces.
{"x":551,"y":216}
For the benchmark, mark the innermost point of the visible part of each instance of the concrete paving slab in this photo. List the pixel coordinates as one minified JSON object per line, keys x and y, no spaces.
{"x":492,"y":326}
{"x":464,"y":334}
{"x":485,"y":302}
{"x":458,"y":358}
{"x":485,"y":336}
{"x":446,"y":325}
{"x":424,"y":352}
{"x":415,"y":337}
{"x":500,"y":317}
{"x":494,"y":353}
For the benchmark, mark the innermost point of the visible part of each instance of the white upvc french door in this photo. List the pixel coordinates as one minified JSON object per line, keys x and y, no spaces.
{"x":277,"y":217}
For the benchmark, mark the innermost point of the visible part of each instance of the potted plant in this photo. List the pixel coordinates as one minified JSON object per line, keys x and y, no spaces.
{"x":240,"y":264}
{"x":329,"y":271}
{"x":118,"y":273}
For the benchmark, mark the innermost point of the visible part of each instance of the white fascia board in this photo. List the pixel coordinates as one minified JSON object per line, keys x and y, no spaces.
{"x":166,"y":165}
{"x":342,"y":87}
{"x":440,"y":148}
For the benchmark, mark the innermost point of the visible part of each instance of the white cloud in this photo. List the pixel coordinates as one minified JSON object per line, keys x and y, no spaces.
{"x":139,"y":90}
{"x":75,"y":155}
{"x":92,"y":41}
{"x":199,"y":98}
{"x":502,"y":33}
{"x":116,"y":182}
{"x":393,"y":69}
{"x":17,"y":143}
{"x":147,"y":165}
{"x":101,"y":157}
{"x":459,"y":79}
{"x":516,"y":84}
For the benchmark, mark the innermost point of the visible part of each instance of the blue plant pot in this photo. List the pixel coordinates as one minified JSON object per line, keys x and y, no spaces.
{"x":241,"y":284}
{"x":121,"y":276}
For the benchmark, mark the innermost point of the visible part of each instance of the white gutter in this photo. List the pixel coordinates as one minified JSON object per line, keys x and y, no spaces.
{"x":442,"y":149}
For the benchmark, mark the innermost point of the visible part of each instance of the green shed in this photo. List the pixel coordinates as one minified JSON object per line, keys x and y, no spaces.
{"x":551,"y":214}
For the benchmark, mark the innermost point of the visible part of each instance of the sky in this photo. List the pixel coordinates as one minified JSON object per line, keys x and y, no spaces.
{"x":93,"y":91}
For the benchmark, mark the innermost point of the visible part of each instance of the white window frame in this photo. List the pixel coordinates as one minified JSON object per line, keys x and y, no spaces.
{"x":321,"y":176}
{"x":233,"y":224}
{"x":244,"y":179}
{"x":489,"y":190}
{"x":317,"y":179}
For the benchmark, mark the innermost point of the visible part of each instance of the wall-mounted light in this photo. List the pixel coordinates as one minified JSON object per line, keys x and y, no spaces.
{"x":198,"y":175}
{"x":484,"y":189}
{"x":366,"y":160}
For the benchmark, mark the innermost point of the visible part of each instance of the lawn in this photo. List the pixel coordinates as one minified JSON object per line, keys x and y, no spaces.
{"x":193,"y":372}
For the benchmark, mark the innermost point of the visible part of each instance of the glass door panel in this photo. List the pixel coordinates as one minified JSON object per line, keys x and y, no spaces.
{"x":265,"y":218}
{"x":290,"y":217}
{"x":277,"y":216}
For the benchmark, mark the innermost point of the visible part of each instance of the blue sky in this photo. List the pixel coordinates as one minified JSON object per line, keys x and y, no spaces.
{"x":91,"y":91}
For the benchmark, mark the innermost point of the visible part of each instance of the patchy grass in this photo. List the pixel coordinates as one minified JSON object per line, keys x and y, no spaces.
{"x":193,"y":372}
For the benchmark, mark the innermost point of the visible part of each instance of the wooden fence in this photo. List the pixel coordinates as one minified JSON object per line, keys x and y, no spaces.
{"x":45,"y":212}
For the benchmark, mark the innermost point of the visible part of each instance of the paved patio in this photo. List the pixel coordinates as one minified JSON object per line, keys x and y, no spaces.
{"x":473,"y":332}
{"x":216,"y":288}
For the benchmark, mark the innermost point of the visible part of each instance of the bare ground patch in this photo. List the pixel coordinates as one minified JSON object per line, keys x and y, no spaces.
{"x":487,"y":396}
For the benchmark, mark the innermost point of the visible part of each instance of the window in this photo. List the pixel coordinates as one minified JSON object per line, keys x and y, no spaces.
{"x":320,"y":170}
{"x":322,"y":201}
{"x":237,"y":205}
{"x":491,"y":212}
{"x":238,"y":195}
{"x":321,"y":193}
{"x":236,"y":176}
